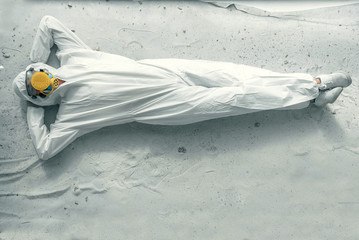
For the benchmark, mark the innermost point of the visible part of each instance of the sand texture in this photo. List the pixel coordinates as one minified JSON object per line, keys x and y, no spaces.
{"x":268,"y":175}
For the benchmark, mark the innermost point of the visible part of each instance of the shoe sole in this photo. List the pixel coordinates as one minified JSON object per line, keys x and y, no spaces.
{"x":338,"y":91}
{"x":337,"y":94}
{"x":347,"y":76}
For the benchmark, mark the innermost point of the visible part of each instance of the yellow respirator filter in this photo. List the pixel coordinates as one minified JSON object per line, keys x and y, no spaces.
{"x":45,"y":82}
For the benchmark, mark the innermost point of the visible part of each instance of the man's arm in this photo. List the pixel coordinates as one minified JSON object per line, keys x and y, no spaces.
{"x":47,"y":143}
{"x":51,"y":31}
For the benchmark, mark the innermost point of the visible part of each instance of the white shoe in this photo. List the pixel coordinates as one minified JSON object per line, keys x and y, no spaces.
{"x":328,"y":96}
{"x":337,"y":79}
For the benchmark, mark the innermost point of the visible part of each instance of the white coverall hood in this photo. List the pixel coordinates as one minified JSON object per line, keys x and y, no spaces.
{"x":104,"y":89}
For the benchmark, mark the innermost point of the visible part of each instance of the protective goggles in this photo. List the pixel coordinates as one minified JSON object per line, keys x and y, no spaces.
{"x":40,"y":86}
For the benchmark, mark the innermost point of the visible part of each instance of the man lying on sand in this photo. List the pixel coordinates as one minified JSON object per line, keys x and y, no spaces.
{"x":96,"y":89}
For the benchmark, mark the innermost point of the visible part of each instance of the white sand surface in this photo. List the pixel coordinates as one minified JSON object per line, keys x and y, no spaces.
{"x":269,"y":175}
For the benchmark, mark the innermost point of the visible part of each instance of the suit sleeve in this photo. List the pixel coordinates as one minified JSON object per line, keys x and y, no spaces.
{"x":51,"y":31}
{"x":48,"y":143}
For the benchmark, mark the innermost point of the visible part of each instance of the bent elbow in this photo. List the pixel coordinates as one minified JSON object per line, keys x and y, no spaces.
{"x":44,"y":19}
{"x":43,"y":154}
{"x":45,"y":151}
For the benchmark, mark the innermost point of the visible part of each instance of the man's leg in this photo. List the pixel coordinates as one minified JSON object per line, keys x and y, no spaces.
{"x":225,"y":74}
{"x":189,"y":104}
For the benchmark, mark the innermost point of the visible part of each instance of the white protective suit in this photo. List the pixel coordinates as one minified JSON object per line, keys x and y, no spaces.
{"x":103,"y":89}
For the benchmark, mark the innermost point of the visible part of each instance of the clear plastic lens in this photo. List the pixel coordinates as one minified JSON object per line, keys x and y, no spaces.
{"x":30,"y":90}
